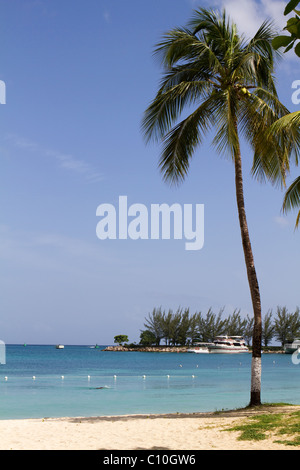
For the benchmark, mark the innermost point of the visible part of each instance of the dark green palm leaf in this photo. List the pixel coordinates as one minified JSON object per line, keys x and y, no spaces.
{"x":181,"y":141}
{"x":272,"y":150}
{"x":168,"y":104}
{"x":292,"y":199}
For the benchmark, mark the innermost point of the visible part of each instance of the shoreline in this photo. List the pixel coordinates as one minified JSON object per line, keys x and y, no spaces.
{"x":171,"y":349}
{"x":172,"y":431}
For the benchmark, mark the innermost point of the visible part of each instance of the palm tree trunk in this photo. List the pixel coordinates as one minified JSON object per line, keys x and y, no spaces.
{"x":253,"y":284}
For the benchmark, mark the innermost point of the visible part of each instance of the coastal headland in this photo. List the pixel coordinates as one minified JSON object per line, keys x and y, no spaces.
{"x":172,"y":349}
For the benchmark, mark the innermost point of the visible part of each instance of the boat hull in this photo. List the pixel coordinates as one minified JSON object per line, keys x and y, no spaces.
{"x":290,"y":348}
{"x":198,"y":351}
{"x":228,"y":351}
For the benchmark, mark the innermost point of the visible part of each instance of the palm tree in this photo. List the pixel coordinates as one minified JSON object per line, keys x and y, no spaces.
{"x":228,"y":83}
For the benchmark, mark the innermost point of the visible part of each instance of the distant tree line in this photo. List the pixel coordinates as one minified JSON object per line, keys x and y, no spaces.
{"x":182,"y":328}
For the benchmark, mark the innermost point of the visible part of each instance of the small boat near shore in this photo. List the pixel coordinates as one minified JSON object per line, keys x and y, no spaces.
{"x":290,"y":348}
{"x":228,"y":344}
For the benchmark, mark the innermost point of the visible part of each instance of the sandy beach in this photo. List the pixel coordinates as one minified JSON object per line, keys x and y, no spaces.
{"x":201,"y":431}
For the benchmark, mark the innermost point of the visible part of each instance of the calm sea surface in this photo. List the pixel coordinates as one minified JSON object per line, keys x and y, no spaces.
{"x":67,"y":380}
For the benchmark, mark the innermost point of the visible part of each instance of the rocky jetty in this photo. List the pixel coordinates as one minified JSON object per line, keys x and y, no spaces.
{"x":167,"y":349}
{"x":174,"y":349}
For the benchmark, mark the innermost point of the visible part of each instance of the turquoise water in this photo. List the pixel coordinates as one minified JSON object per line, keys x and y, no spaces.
{"x":173,"y":382}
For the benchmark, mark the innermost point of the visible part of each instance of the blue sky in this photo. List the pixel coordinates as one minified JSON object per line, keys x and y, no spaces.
{"x":79,"y":75}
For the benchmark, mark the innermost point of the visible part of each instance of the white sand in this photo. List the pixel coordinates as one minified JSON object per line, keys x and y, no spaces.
{"x":201,"y":431}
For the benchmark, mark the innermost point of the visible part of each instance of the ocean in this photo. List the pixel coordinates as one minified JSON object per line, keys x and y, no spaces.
{"x":42,"y":381}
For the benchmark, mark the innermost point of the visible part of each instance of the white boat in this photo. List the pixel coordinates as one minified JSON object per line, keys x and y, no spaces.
{"x":229,"y":345}
{"x":291,"y":347}
{"x":59,"y":346}
{"x":198,"y":350}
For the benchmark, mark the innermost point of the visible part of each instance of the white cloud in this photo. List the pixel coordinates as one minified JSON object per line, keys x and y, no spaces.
{"x":245,"y":13}
{"x":65,"y":161}
{"x":106,"y":16}
{"x":250,"y":14}
{"x":275,"y":10}
{"x":66,"y":244}
{"x":47,"y":252}
{"x":281,"y":221}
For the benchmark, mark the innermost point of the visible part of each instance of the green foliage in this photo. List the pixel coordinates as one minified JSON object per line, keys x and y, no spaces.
{"x":235,"y":325}
{"x":121,"y":339}
{"x":292,"y":196}
{"x":154,"y":324}
{"x":292,"y":27}
{"x":182,"y":328}
{"x":211,"y":325}
{"x":287,"y":325}
{"x":291,"y":6}
{"x":291,"y":122}
{"x":257,"y":427}
{"x":147,"y":338}
{"x":224,"y":83}
{"x":280,"y":424}
{"x":174,"y":328}
{"x":267,"y":328}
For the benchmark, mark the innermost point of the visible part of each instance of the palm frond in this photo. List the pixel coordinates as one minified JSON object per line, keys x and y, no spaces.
{"x":290,"y":121}
{"x":181,"y":141}
{"x":182,"y":49}
{"x":226,"y":140}
{"x":167,"y":105}
{"x":292,"y":196}
{"x":297,"y":220}
{"x":177,"y":45}
{"x":292,"y":199}
{"x":262,"y":40}
{"x":287,"y":128}
{"x":211,"y":24}
{"x":262,"y":56}
{"x":272,"y":150}
{"x":219,"y":32}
